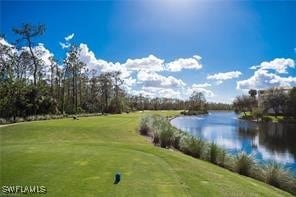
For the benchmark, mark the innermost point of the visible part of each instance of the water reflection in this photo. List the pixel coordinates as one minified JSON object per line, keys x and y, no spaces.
{"x":265,"y":141}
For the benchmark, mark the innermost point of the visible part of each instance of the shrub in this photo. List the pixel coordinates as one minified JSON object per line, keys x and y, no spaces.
{"x":19,"y":119}
{"x":144,"y":125}
{"x":176,"y":139}
{"x":213,"y":153}
{"x":272,"y":173}
{"x":156,"y":138}
{"x":2,"y":121}
{"x":244,"y":164}
{"x":278,"y":176}
{"x":222,"y":157}
{"x":192,"y":146}
{"x":166,"y":135}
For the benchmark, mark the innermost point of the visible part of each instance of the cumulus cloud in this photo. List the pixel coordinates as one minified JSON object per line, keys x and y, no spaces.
{"x":201,"y":85}
{"x":184,"y":63}
{"x":279,"y":65}
{"x":150,"y":63}
{"x":43,"y":53}
{"x":153,"y":79}
{"x":100,"y":66}
{"x":140,"y":75}
{"x":39,"y":50}
{"x":263,"y":79}
{"x":196,"y":87}
{"x":225,"y":76}
{"x":69,"y":37}
{"x":5,"y":43}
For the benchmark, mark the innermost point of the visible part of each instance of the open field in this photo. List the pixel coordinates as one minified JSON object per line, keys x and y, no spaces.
{"x":80,"y":158}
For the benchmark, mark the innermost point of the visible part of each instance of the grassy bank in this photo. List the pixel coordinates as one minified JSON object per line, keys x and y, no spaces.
{"x":80,"y":157}
{"x":163,"y":134}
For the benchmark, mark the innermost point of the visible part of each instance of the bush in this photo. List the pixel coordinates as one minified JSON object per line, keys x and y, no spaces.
{"x":156,"y":138}
{"x":2,"y":121}
{"x":213,"y":153}
{"x":144,"y":125}
{"x":279,"y":177}
{"x":222,"y":157}
{"x":244,"y":164}
{"x":176,"y":139}
{"x":192,"y":146}
{"x":166,"y":135}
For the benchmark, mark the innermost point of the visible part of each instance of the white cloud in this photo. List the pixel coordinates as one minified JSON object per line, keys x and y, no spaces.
{"x":153,"y":79}
{"x":43,"y":53}
{"x":146,"y":70}
{"x":67,"y":43}
{"x":218,"y":82}
{"x":224,"y":76}
{"x":39,"y":50}
{"x":69,"y":37}
{"x":150,"y":63}
{"x":280,"y":65}
{"x":159,"y":92}
{"x":92,"y":63}
{"x":196,"y":87}
{"x":4,"y":42}
{"x":184,"y":63}
{"x":263,"y":79}
{"x":201,"y":85}
{"x":64,"y":45}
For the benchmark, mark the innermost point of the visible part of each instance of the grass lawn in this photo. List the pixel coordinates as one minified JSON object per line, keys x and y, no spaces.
{"x":80,"y":158}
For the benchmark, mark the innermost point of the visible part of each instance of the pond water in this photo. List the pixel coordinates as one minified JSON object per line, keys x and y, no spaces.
{"x":265,"y":141}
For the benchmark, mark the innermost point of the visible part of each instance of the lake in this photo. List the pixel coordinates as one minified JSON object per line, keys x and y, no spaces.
{"x":265,"y":141}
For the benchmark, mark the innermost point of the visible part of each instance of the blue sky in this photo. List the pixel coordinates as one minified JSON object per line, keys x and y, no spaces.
{"x":229,"y":36}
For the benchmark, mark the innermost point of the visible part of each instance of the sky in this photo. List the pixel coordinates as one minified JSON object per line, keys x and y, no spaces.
{"x":170,"y":48}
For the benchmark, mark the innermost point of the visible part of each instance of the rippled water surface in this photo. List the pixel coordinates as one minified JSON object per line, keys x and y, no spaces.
{"x":265,"y":141}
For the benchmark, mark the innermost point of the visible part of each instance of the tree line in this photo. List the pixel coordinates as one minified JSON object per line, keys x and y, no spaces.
{"x":30,"y":86}
{"x":274,"y":101}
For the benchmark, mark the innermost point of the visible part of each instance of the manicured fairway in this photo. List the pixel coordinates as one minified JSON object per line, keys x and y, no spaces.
{"x":80,"y":158}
